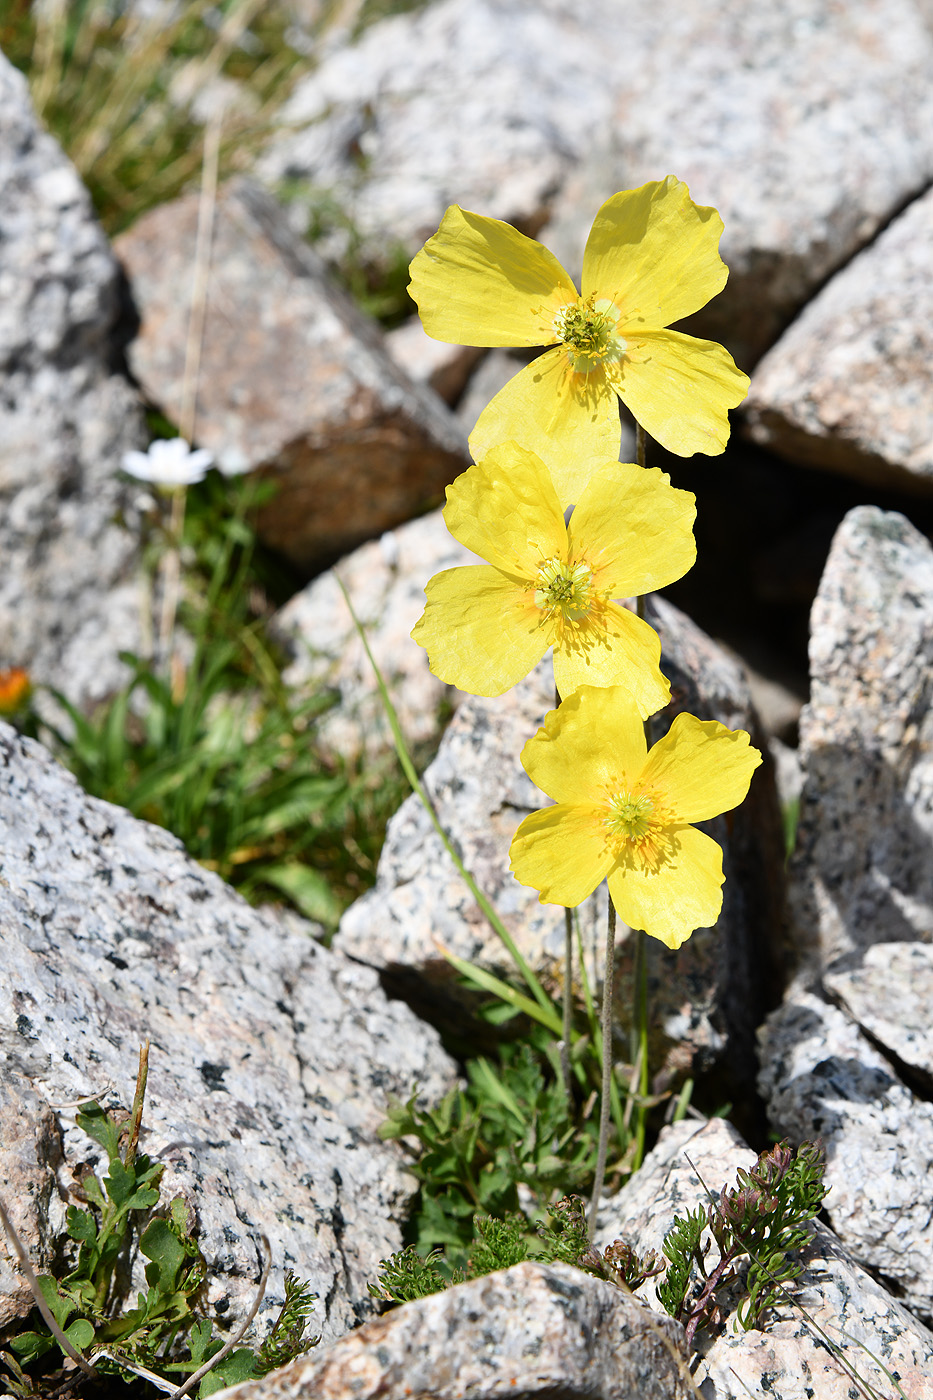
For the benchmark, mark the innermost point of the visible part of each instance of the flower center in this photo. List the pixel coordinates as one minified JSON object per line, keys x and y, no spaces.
{"x":630,"y":816}
{"x":563,"y":588}
{"x":588,"y":331}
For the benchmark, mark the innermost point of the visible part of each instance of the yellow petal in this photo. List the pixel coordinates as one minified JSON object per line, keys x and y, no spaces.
{"x":655,"y":254}
{"x":701,"y":767}
{"x":680,"y":390}
{"x":682,"y":895}
{"x":612,"y":647}
{"x":589,"y":748}
{"x":481,"y":629}
{"x":634,"y":530}
{"x":570,"y":421}
{"x":506,"y":510}
{"x":562,"y":852}
{"x":479,"y":281}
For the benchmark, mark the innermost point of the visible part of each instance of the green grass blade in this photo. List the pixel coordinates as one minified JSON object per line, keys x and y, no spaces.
{"x":544,"y":1002}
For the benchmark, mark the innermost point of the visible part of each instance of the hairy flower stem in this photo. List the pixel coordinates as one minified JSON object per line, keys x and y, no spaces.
{"x":639,"y":1034}
{"x":606,"y":1091}
{"x":567,"y":1028}
{"x":567,"y":1009}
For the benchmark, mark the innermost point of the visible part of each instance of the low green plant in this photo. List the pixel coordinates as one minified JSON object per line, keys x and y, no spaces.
{"x":508,"y":1143}
{"x":165,"y":1332}
{"x":561,"y":1237}
{"x":218,"y":751}
{"x":761,"y":1222}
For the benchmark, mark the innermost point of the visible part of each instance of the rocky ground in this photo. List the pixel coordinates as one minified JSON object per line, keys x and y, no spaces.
{"x":807,"y":619}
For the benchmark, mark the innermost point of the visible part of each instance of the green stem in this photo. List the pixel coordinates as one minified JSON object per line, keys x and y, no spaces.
{"x":567,"y":1024}
{"x":640,"y":1041}
{"x":567,"y":1017}
{"x":408,"y":767}
{"x":604,"y":1099}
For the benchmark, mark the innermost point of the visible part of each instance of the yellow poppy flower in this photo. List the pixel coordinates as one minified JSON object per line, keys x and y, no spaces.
{"x":652,"y":257}
{"x":552,"y":584}
{"x":624,"y":814}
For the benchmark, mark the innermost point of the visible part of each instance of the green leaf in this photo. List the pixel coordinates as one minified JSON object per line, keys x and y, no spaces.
{"x":80,"y":1334}
{"x":162,"y":1246}
{"x":199,"y":1340}
{"x":238,"y":1366}
{"x":306,"y":887}
{"x":29,"y":1346}
{"x":81,"y":1225}
{"x":60,"y":1306}
{"x":98,"y":1124}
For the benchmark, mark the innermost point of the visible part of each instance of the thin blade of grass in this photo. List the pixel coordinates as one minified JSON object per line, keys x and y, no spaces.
{"x":544,"y":1002}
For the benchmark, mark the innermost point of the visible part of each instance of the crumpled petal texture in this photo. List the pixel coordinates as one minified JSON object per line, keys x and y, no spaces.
{"x":590,"y":755}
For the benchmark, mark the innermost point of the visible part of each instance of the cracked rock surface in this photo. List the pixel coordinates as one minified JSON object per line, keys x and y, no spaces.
{"x":847,"y":386}
{"x":821,"y":1076}
{"x":807,"y":124}
{"x":862,"y":872}
{"x":271,"y":1065}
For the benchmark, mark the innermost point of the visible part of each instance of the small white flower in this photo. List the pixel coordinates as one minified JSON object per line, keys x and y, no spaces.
{"x":168,"y":462}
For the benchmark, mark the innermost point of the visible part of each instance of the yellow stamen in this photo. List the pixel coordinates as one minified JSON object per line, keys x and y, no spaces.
{"x":630,"y":816}
{"x":563,"y":588}
{"x":587,"y":329}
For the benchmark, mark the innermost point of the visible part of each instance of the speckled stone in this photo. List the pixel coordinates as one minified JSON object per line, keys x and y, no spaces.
{"x":890,"y":995}
{"x":863,"y":868}
{"x":787,"y":1359}
{"x":272,"y":1059}
{"x":705,"y":998}
{"x":385,"y":580}
{"x":807,"y":124}
{"x":820,"y":1076}
{"x":68,"y":595}
{"x":531,"y":1332}
{"x":294,"y":380}
{"x":849,"y":386}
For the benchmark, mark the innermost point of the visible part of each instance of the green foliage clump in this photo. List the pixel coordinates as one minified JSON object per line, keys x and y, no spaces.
{"x":218,"y":751}
{"x":762,"y":1219}
{"x":124,"y":1213}
{"x":561,"y":1238}
{"x":118,"y":88}
{"x":509,"y":1138}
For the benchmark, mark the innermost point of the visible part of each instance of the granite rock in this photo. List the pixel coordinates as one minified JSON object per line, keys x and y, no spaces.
{"x":385,"y":580}
{"x":462,"y":101}
{"x":706,"y":998}
{"x":272,"y":1060}
{"x":806,"y":124}
{"x":890,"y":995}
{"x":822,"y":1077}
{"x":526,"y":1332}
{"x":848,"y":385}
{"x":787,"y":1359}
{"x":862,"y":872}
{"x":294,"y":380}
{"x":68,"y":598}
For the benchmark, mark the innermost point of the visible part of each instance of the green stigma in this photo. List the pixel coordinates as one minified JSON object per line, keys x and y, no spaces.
{"x":630,"y":816}
{"x":563,"y":588}
{"x":588,"y":330}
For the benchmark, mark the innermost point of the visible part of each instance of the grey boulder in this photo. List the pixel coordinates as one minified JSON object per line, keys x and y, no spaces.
{"x":272,"y":1063}
{"x":68,"y":591}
